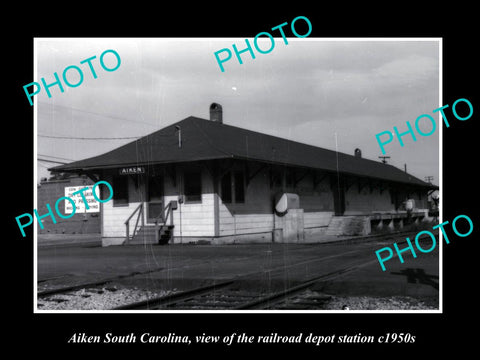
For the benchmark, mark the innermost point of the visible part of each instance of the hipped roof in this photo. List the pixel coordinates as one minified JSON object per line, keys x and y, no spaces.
{"x":208,"y":140}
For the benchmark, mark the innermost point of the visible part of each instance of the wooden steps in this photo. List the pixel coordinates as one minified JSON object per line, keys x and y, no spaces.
{"x":146,"y":235}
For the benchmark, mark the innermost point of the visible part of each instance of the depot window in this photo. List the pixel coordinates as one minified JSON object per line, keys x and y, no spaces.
{"x":193,"y":187}
{"x":239,"y":186}
{"x":233,"y":187}
{"x":120,"y":194}
{"x":227,"y":188}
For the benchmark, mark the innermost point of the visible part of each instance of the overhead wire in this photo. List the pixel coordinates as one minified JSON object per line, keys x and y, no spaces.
{"x":52,"y":161}
{"x":99,"y":138}
{"x":98,"y":114}
{"x":55,"y":157}
{"x":87,"y":138}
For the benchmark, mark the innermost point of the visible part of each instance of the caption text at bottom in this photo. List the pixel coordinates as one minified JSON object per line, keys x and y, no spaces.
{"x":243,"y":338}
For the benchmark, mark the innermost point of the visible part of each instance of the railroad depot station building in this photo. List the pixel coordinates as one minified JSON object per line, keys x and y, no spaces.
{"x":202,"y":180}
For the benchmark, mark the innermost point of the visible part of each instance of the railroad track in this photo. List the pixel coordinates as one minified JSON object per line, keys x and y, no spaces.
{"x":230,"y":294}
{"x":226,"y":296}
{"x":89,"y":285}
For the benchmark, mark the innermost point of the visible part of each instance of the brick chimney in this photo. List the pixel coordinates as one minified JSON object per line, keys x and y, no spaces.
{"x":216,"y":113}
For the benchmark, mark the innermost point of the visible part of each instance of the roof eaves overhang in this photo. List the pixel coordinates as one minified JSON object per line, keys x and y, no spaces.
{"x":98,"y":168}
{"x":145,"y":163}
{"x":426,"y":186}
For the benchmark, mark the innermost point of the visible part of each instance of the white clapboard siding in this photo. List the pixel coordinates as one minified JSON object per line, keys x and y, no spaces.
{"x":114,"y":218}
{"x":245,"y":224}
{"x":317,"y":219}
{"x":195,"y":219}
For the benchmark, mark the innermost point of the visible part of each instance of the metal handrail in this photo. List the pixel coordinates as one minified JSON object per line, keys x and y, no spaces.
{"x":169,"y":212}
{"x":140,"y":215}
{"x":164,"y":219}
{"x":139,"y":208}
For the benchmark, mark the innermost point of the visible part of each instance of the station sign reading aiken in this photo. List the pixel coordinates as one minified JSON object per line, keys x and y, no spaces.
{"x":132,"y":170}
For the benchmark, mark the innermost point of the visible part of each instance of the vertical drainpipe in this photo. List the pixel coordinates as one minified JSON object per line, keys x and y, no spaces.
{"x":216,"y":209}
{"x":180,"y":203}
{"x":216,"y":200}
{"x":101,"y":221}
{"x":102,"y":217}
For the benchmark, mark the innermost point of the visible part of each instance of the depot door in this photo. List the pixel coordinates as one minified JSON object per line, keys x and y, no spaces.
{"x":154,"y":198}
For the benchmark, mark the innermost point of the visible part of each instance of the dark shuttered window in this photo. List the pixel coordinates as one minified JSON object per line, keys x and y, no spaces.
{"x":193,"y":186}
{"x":239,"y":185}
{"x":120,"y":191}
{"x":233,"y":187}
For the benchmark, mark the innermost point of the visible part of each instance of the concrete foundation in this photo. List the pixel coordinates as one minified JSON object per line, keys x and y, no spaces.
{"x":109,"y":241}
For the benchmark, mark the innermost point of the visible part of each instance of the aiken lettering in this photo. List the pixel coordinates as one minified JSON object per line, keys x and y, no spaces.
{"x":83,"y":338}
{"x":132,"y":170}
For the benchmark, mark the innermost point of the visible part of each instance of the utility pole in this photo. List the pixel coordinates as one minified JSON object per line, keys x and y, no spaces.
{"x":429,"y":179}
{"x":384,"y":158}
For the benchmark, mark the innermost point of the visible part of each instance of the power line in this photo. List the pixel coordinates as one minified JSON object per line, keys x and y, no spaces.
{"x":45,"y":167}
{"x":55,"y":157}
{"x":52,"y":161}
{"x":384,"y":158}
{"x":98,"y":114}
{"x":88,"y":138}
{"x":107,"y":138}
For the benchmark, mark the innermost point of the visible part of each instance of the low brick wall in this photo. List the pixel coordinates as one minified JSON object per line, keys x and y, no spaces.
{"x":49,"y":192}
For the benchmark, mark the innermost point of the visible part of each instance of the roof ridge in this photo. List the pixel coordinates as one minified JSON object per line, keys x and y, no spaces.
{"x":288,"y":141}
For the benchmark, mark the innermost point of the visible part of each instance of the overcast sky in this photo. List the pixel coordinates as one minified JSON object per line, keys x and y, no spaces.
{"x":305,"y":91}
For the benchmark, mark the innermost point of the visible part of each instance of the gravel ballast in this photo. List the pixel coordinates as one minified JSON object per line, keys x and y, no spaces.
{"x":109,"y":298}
{"x":97,"y":299}
{"x":377,"y":303}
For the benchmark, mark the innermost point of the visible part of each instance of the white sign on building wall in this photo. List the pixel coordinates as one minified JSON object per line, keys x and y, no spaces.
{"x":94,"y":205}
